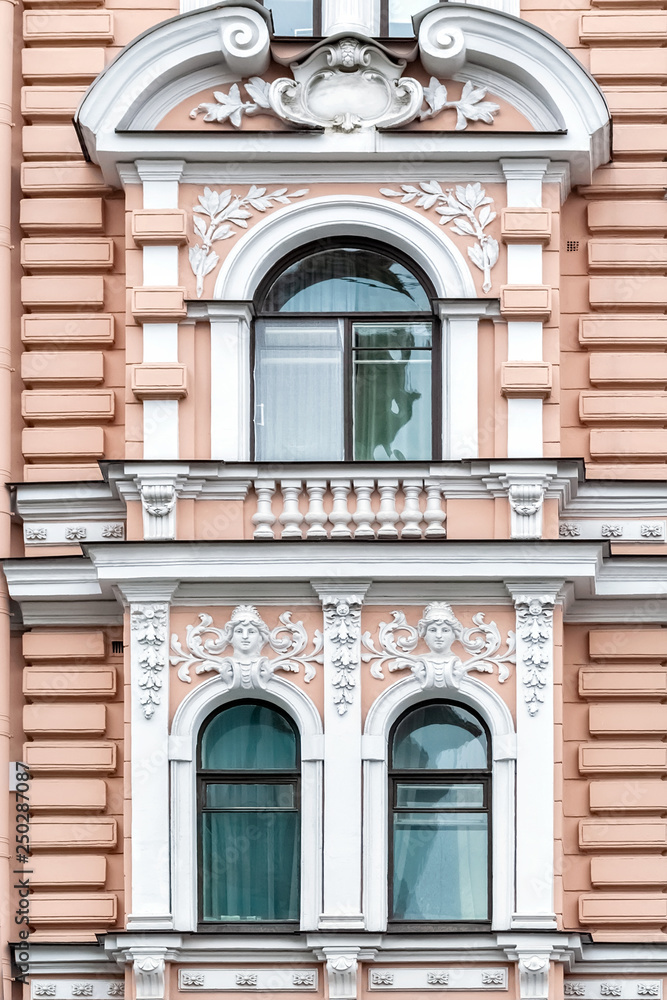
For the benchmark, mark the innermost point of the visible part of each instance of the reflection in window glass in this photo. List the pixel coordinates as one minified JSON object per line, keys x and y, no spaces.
{"x":392,"y":392}
{"x":400,"y":16}
{"x":291,"y":17}
{"x":346,"y":280}
{"x":440,"y":737}
{"x":440,"y":866}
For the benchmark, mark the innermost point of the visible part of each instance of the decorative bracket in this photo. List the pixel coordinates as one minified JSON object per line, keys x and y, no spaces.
{"x":534,"y":976}
{"x":149,"y":977}
{"x":342,"y":966}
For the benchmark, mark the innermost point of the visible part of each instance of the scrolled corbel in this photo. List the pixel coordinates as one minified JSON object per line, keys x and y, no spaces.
{"x":244,"y":42}
{"x":442,"y":46}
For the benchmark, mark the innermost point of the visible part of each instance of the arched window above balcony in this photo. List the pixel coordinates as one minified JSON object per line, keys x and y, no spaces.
{"x":345,"y":366}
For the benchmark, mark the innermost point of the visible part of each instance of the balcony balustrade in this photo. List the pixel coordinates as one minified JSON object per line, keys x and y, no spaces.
{"x":293,"y":505}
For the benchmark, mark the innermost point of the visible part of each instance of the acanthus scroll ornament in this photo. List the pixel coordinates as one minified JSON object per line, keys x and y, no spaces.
{"x":535,"y":629}
{"x":149,"y":625}
{"x":461,"y":209}
{"x":247,"y":633}
{"x":439,"y":667}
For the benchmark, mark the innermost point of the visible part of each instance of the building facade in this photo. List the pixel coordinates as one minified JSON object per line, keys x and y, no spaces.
{"x":335,"y":657}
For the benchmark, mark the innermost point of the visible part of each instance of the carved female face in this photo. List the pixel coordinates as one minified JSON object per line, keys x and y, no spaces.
{"x":439,"y":637}
{"x":247,"y":640}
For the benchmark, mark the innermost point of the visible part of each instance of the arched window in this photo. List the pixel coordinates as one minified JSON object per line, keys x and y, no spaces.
{"x":439,"y":794}
{"x":346,"y":359}
{"x":249,"y":823}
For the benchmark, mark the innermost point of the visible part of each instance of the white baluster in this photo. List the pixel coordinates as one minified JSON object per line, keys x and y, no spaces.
{"x":364,"y":516}
{"x":434,"y":515}
{"x":340,"y":516}
{"x":412,"y":515}
{"x":387,"y":516}
{"x":316,"y":517}
{"x":291,"y":517}
{"x":264,"y":519}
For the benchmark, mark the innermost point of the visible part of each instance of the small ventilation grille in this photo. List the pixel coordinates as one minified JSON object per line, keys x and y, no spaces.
{"x":572,"y":245}
{"x":117,"y":646}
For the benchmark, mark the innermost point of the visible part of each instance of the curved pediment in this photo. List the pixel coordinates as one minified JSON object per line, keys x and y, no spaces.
{"x":483,"y":83}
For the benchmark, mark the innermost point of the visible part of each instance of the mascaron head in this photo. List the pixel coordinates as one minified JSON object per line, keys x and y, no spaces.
{"x":439,"y":613}
{"x":246,"y":630}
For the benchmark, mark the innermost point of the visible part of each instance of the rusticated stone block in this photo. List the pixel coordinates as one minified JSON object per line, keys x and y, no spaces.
{"x":159,"y":227}
{"x":62,"y":291}
{"x":159,"y":381}
{"x":526,"y":225}
{"x":69,"y":682}
{"x":526,"y":379}
{"x":58,"y":832}
{"x":66,"y":719}
{"x":623,"y":908}
{"x":63,"y":442}
{"x":72,"y":367}
{"x":159,"y":303}
{"x":61,"y":756}
{"x":95,"y":909}
{"x":613,"y":834}
{"x":72,"y":328}
{"x":85,"y":871}
{"x":68,"y":795}
{"x":47,"y":646}
{"x":525,"y":302}
{"x":63,"y":405}
{"x":80,"y":27}
{"x":42,"y":253}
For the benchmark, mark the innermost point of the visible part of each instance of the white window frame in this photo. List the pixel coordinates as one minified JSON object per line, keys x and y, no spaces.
{"x":384,"y":712}
{"x":188,"y":720}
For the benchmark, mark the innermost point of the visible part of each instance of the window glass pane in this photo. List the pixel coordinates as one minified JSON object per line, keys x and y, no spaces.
{"x":299,"y":391}
{"x":342,"y":281}
{"x":392,"y":393}
{"x":255,"y":796}
{"x":250,"y":866}
{"x":249,"y":737}
{"x":440,"y":737}
{"x":291,"y":17}
{"x":400,"y":16}
{"x":439,"y":796}
{"x":440,"y":866}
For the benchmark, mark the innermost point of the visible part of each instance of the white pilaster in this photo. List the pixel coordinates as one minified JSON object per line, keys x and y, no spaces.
{"x":160,"y":180}
{"x":230,"y":381}
{"x":150,"y":906}
{"x":460,"y":378}
{"x":525,"y":436}
{"x":341,"y":603}
{"x":535,"y":755}
{"x":350,"y":15}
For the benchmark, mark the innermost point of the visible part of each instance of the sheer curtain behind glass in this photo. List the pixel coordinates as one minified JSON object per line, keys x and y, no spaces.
{"x":440,"y":817}
{"x":250,"y":831}
{"x":318,"y":371}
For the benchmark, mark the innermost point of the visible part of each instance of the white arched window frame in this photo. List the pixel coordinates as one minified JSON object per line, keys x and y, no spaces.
{"x":386,"y":709}
{"x":191,"y":714}
{"x":355,"y":217}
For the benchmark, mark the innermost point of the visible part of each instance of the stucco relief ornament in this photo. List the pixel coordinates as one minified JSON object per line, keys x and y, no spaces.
{"x":534,"y":628}
{"x":247,"y":633}
{"x":440,"y":629}
{"x":149,"y":623}
{"x":459,"y":207}
{"x":224,"y":211}
{"x":347,"y":84}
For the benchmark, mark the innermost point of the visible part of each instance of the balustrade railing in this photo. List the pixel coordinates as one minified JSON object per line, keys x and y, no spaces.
{"x":331,"y":507}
